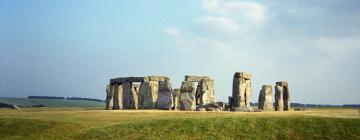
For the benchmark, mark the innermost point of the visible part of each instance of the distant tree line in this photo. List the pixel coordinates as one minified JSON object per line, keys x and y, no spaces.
{"x":46,"y":97}
{"x":88,"y":99}
{"x":65,"y":98}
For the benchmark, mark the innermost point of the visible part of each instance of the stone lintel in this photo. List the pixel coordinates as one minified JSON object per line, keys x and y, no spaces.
{"x":244,"y":75}
{"x":196,"y":78}
{"x":282,"y":83}
{"x":128,"y":79}
{"x":159,"y":78}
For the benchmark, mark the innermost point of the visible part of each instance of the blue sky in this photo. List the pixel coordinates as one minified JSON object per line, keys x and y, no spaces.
{"x":72,"y":48}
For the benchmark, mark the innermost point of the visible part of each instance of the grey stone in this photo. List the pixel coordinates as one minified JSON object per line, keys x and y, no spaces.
{"x":242,"y":90}
{"x":15,"y":107}
{"x":213,"y":107}
{"x":109,"y":97}
{"x":265,"y":98}
{"x":242,"y":109}
{"x":282,"y":96}
{"x":117,"y":103}
{"x":187,"y":96}
{"x":165,"y":97}
{"x":158,"y":78}
{"x":195,"y":78}
{"x":279,"y":102}
{"x":130,"y":97}
{"x":201,"y":109}
{"x":282,"y":83}
{"x":148,"y":94}
{"x":244,"y":75}
{"x":176,"y":99}
{"x":128,"y":79}
{"x":207,"y":92}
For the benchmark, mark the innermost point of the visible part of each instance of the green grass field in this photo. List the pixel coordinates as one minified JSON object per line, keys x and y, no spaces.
{"x":78,"y":123}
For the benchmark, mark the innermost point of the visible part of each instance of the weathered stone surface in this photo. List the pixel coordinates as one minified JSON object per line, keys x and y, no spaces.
{"x":231,"y":102}
{"x":201,"y":109}
{"x":265,"y":98}
{"x":282,"y":96}
{"x":244,"y":75}
{"x":207,"y":92}
{"x":117,"y":103}
{"x":282,"y":83}
{"x":242,"y":90}
{"x":165,"y":97}
{"x":158,"y":78}
{"x":176,"y":99}
{"x":279,"y":95}
{"x":187,"y":96}
{"x":286,"y":98}
{"x":130,"y":97}
{"x":187,"y":86}
{"x":221,"y":104}
{"x":128,"y":79}
{"x":148,"y":94}
{"x":109,"y":97}
{"x":213,"y":107}
{"x":242,"y":109}
{"x":195,"y":78}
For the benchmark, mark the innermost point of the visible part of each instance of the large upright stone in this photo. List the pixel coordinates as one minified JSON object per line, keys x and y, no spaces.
{"x":207,"y":92}
{"x":265,"y":98}
{"x":148,"y":95}
{"x":165,"y":97}
{"x":109,"y":97}
{"x":117,"y":96}
{"x":242,"y":89}
{"x":187,"y":96}
{"x":282,"y":96}
{"x":130,"y":97}
{"x":176,"y":99}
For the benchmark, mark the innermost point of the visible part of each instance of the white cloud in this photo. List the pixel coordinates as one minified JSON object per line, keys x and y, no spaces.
{"x":251,"y":12}
{"x":218,"y":24}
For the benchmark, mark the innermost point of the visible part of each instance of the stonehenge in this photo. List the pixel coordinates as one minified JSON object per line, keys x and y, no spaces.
{"x":196,"y":93}
{"x":282,"y":96}
{"x":124,"y":93}
{"x":241,"y":92}
{"x":265,"y":98}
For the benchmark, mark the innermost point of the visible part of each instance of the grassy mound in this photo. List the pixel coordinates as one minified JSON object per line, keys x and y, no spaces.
{"x":230,"y":128}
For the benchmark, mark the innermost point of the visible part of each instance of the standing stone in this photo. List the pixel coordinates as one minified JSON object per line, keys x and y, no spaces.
{"x":130,"y":97}
{"x":148,"y":95}
{"x":165,"y":99}
{"x":242,"y":89}
{"x":265,"y":98}
{"x":109,"y":97}
{"x":207,"y":92}
{"x":279,"y":102}
{"x":282,"y":96}
{"x":117,"y":103}
{"x":187,"y":96}
{"x":198,"y":94}
{"x":176,"y":99}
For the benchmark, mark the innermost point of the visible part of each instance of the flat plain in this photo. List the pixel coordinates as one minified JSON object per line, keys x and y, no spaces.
{"x":95,"y":123}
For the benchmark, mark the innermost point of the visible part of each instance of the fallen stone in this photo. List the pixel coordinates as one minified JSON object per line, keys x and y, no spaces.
{"x":15,"y":107}
{"x":242,"y":109}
